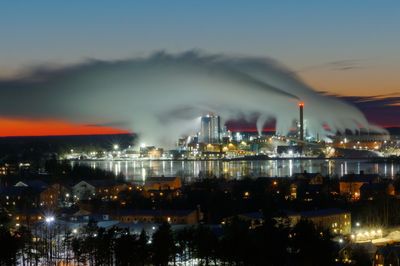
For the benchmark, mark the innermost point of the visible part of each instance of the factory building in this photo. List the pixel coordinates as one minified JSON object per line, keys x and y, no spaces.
{"x":210,"y":131}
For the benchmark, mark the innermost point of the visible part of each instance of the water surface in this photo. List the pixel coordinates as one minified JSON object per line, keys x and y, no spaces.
{"x":139,"y":170}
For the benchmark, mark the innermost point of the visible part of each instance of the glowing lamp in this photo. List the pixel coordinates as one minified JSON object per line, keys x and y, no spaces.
{"x":49,"y":219}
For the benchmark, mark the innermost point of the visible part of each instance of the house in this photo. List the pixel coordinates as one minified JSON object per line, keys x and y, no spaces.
{"x":306,"y":185}
{"x":159,"y":216}
{"x":20,"y":197}
{"x":27,"y":217}
{"x":349,"y":185}
{"x":35,"y":184}
{"x":346,"y":254}
{"x":83,"y":190}
{"x":106,"y":189}
{"x":387,"y":255}
{"x":9,"y":169}
{"x":310,"y":178}
{"x":52,"y":196}
{"x":304,"y":191}
{"x":371,"y":190}
{"x":162,"y":183}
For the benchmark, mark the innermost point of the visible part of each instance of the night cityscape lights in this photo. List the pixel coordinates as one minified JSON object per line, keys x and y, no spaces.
{"x":244,"y":133}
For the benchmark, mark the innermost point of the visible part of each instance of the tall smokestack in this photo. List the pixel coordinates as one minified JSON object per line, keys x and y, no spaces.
{"x":301,"y":107}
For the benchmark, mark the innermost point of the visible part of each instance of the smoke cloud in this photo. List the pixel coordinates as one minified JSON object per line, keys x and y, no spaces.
{"x":161,"y":97}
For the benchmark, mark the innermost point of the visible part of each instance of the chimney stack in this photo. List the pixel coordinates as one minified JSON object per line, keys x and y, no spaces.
{"x":301,"y":107}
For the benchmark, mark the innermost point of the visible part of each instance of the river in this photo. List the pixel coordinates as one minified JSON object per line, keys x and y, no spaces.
{"x":189,"y":170}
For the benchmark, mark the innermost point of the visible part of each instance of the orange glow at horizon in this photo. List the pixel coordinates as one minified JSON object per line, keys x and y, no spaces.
{"x":10,"y":127}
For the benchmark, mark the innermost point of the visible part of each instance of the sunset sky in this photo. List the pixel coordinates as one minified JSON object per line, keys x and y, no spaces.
{"x":345,"y":48}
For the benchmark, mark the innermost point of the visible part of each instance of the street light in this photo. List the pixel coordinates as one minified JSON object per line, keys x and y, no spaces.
{"x":49,"y":236}
{"x":49,"y":219}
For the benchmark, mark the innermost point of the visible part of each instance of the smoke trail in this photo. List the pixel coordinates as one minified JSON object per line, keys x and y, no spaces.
{"x":160,"y":96}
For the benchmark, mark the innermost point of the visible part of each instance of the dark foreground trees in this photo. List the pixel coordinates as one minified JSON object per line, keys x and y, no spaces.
{"x":10,"y":246}
{"x":163,"y":245}
{"x":236,"y":243}
{"x":309,"y":246}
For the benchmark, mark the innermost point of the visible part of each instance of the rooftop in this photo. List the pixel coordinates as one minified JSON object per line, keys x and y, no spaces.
{"x":156,"y":212}
{"x":323,"y":212}
{"x":161,"y":178}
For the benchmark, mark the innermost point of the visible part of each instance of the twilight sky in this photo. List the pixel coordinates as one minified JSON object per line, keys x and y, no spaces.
{"x":347,"y":48}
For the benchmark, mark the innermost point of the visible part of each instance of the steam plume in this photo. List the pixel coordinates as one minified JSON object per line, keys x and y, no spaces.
{"x":160,"y":97}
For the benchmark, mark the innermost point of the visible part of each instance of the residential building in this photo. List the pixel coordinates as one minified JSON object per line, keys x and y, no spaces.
{"x":158,"y":216}
{"x":162,"y":183}
{"x":336,"y":220}
{"x":372,"y":190}
{"x":52,"y":196}
{"x":387,"y":255}
{"x":349,"y":185}
{"x":107,"y":189}
{"x":83,"y":190}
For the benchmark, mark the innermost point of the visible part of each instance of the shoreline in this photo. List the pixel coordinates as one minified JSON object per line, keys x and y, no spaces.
{"x":368,"y":159}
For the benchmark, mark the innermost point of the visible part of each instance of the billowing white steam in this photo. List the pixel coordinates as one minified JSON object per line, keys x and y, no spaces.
{"x":161,"y":97}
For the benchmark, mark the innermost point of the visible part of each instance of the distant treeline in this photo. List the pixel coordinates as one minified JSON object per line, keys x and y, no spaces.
{"x":30,"y":148}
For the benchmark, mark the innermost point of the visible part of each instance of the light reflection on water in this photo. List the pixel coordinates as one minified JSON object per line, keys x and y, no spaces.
{"x":139,"y":170}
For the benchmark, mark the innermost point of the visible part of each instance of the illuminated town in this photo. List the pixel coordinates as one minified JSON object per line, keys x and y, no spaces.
{"x":215,"y":133}
{"x":81,"y":194}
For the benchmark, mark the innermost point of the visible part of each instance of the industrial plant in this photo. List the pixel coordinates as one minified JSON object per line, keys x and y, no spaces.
{"x":214,"y":141}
